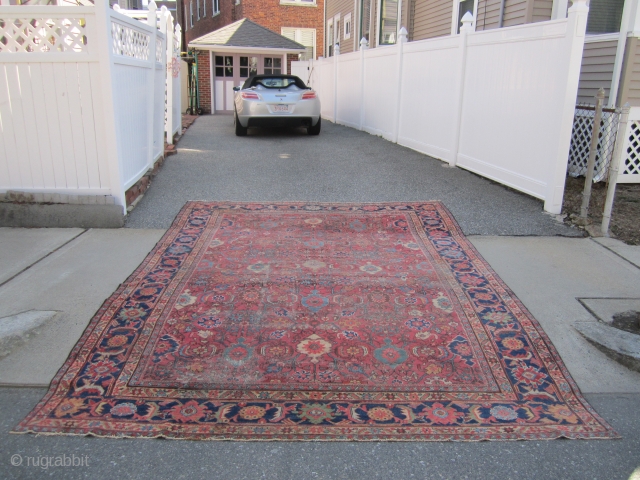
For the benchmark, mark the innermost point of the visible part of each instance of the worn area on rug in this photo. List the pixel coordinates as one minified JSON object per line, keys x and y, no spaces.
{"x":297,"y":321}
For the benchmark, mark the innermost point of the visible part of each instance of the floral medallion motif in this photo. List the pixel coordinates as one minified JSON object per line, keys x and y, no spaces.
{"x":314,"y":347}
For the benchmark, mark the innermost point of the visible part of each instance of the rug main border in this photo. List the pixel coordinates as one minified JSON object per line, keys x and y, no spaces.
{"x":539,"y":341}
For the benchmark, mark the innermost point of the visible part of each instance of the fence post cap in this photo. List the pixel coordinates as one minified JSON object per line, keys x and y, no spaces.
{"x":116,"y":7}
{"x":363,"y":43}
{"x":578,"y":6}
{"x":336,"y":49}
{"x":467,"y":20}
{"x":151,"y":14}
{"x":402,"y":35}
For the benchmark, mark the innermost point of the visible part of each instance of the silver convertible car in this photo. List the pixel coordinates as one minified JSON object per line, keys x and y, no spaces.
{"x":276,"y":101}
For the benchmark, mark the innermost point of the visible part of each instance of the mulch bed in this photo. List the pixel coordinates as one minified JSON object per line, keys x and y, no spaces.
{"x":625,"y":220}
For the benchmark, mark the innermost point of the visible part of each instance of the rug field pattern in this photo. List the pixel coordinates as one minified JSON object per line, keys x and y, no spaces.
{"x":296,"y":321}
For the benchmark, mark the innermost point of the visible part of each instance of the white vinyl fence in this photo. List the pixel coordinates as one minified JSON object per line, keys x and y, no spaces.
{"x":82,"y":98}
{"x":497,"y":102}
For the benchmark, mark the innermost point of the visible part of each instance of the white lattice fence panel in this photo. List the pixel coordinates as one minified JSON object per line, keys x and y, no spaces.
{"x":128,"y":42}
{"x":160,"y":49}
{"x":630,"y":165}
{"x":581,"y":143}
{"x":24,"y":35}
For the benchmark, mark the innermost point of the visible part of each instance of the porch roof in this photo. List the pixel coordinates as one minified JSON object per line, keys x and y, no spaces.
{"x":245,"y":35}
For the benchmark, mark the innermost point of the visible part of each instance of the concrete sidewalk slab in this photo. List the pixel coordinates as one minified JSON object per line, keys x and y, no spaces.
{"x":631,"y":253}
{"x":16,"y":330}
{"x":75,"y":280}
{"x":548,"y":275}
{"x":22,"y":247}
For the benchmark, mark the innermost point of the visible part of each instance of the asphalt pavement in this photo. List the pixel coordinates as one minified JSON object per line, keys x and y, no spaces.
{"x":72,"y":271}
{"x":340,"y":165}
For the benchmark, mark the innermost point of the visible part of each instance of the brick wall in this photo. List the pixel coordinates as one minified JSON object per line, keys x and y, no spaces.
{"x":229,"y":13}
{"x":272,"y":15}
{"x":268,"y":13}
{"x":291,"y":58}
{"x":204,"y":80}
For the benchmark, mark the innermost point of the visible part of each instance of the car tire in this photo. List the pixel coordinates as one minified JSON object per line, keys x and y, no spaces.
{"x":240,"y":130}
{"x":315,"y":130}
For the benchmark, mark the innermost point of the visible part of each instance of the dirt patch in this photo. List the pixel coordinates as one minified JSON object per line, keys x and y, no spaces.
{"x":625,"y":220}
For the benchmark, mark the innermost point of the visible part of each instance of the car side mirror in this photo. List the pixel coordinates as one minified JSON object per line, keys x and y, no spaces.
{"x":236,"y":89}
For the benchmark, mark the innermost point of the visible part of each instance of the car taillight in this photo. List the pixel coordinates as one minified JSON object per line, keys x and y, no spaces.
{"x":308,"y":95}
{"x":250,"y":96}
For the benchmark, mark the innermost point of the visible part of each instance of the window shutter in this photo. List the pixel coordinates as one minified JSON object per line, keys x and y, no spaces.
{"x":290,"y":33}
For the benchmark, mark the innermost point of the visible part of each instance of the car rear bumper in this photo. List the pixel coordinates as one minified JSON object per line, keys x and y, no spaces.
{"x":278,"y":121}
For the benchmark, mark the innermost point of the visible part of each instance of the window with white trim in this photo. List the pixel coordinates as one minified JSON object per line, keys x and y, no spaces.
{"x":347,"y":26}
{"x":304,"y":36}
{"x":191,"y":12}
{"x":460,"y":8}
{"x":329,"y":38}
{"x":216,"y":7}
{"x":388,"y":22}
{"x":298,"y":2}
{"x":604,"y":16}
{"x":272,"y":65}
{"x":204,"y":8}
{"x":198,"y":9}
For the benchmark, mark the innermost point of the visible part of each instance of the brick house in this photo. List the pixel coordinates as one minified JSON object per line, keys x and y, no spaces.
{"x":299,"y":20}
{"x":230,"y":55}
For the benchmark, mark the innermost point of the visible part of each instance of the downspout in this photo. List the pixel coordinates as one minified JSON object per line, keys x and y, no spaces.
{"x":622,"y":43}
{"x":501,"y":14}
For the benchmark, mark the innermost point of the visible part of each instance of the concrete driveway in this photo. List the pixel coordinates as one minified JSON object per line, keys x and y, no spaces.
{"x":72,"y":271}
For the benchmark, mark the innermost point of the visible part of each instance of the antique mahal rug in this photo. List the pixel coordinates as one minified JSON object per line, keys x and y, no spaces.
{"x":295,"y":321}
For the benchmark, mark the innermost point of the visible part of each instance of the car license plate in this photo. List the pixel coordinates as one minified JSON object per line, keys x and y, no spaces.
{"x":281,"y":108}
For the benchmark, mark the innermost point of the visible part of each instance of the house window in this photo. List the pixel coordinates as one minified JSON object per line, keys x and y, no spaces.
{"x":304,"y":36}
{"x":191,"y":12}
{"x":365,"y":18}
{"x":204,"y":8}
{"x":462,"y":7}
{"x":198,"y":8}
{"x":272,"y":65}
{"x":604,"y":16}
{"x":389,"y":22}
{"x":330,"y":38}
{"x":248,"y":66}
{"x":298,"y":2}
{"x":224,"y":66}
{"x":216,"y":7}
{"x":347,"y":26}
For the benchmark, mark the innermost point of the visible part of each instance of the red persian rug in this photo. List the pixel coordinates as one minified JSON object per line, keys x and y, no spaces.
{"x":296,"y":321}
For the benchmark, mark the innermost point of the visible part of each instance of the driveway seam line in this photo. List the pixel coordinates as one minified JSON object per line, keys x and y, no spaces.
{"x":615,"y":253}
{"x":42,"y":258}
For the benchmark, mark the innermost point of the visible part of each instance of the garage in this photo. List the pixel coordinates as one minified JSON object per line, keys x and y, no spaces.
{"x":230,"y":55}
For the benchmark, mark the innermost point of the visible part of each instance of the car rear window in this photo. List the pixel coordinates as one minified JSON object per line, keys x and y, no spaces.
{"x":274,"y":82}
